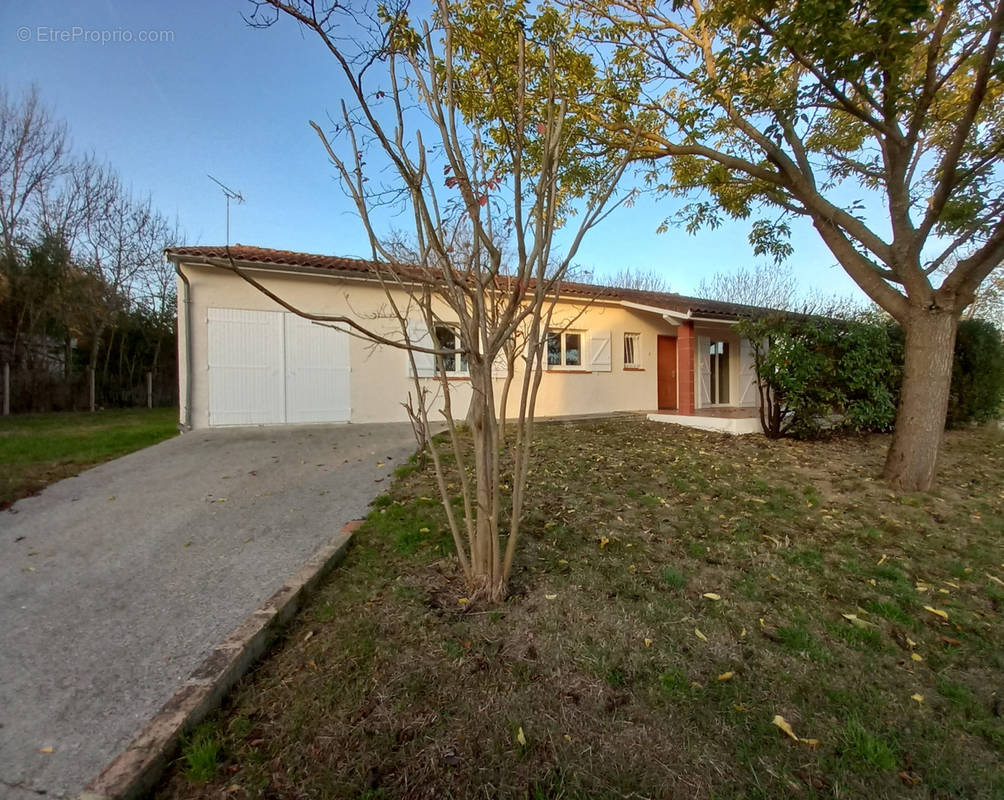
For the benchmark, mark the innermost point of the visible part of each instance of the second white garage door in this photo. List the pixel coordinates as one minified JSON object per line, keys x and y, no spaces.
{"x":268,"y":367}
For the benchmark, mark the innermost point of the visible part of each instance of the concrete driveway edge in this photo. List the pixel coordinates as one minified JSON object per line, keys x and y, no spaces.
{"x":137,"y":768}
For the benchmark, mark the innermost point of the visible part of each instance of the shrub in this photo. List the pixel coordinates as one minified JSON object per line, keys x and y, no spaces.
{"x":811,"y":368}
{"x":977,"y":374}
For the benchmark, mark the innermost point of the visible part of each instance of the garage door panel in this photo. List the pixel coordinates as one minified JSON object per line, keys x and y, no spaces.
{"x":317,"y":372}
{"x":269,"y":367}
{"x":245,"y":367}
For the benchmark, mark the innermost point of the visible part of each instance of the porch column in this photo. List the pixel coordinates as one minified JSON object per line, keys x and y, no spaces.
{"x":685,"y":367}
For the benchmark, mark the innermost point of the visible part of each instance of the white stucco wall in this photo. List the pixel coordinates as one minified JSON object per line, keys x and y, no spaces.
{"x":379,"y":374}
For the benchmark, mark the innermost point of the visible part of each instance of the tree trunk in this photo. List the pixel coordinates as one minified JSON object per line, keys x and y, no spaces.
{"x":912,"y":461}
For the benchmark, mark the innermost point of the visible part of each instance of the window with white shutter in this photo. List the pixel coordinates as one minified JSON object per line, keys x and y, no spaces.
{"x":425,"y":363}
{"x":564,"y":349}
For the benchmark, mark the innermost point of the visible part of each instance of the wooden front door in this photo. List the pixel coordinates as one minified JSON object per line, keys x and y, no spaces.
{"x":667,"y":372}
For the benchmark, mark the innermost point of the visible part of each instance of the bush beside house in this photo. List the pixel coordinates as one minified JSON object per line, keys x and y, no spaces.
{"x":977,"y":374}
{"x":818,"y":375}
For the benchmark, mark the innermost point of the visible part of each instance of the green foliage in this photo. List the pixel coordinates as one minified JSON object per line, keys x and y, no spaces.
{"x":200,"y":753}
{"x":977,"y":374}
{"x":38,"y":449}
{"x":810,"y":369}
{"x":673,"y":578}
{"x":863,"y":750}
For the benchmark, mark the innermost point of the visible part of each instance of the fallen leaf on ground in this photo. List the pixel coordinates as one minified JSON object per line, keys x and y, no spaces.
{"x":520,"y":737}
{"x":604,"y":541}
{"x":726,"y":676}
{"x":48,"y":750}
{"x":855,"y":620}
{"x":937,"y":612}
{"x":916,"y":656}
{"x":995,"y":579}
{"x":700,"y":635}
{"x":648,"y":643}
{"x":918,"y":697}
{"x":463,"y":601}
{"x":550,"y":597}
{"x":783,"y":724}
{"x":712,"y":596}
{"x":908,"y":779}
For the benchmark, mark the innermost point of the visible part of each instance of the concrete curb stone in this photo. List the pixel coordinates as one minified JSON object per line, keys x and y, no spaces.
{"x":137,"y":768}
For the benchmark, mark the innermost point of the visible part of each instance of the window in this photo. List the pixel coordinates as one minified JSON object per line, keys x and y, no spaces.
{"x":632,"y":350}
{"x":564,"y":349}
{"x":447,"y":339}
{"x":719,"y":373}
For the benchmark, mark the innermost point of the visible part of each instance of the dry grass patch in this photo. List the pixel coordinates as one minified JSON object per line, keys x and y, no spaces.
{"x":676,"y":591}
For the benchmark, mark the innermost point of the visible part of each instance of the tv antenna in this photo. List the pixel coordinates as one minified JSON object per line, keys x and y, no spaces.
{"x":230,"y":194}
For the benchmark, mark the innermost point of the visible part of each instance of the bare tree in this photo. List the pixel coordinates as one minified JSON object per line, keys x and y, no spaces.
{"x":120,"y":242}
{"x":777,"y":288}
{"x":33,"y":154}
{"x":988,"y":299}
{"x":468,"y":112}
{"x":764,"y":286}
{"x":649,"y":280}
{"x":988,"y":302}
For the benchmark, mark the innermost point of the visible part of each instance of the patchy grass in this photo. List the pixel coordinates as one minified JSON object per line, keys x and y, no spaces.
{"x":200,"y":754}
{"x":389,"y":686}
{"x":39,"y":449}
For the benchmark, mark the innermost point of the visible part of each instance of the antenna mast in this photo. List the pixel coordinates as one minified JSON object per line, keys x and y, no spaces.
{"x":230,"y":194}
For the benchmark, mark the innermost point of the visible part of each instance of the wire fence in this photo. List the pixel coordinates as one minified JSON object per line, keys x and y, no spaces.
{"x":37,"y":391}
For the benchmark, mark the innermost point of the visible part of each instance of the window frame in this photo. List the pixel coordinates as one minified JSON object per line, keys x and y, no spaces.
{"x":461,"y":371}
{"x":635,"y":338}
{"x":562,"y":338}
{"x":715,"y":362}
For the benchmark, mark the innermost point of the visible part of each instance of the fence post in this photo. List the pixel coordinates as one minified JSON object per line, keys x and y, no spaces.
{"x":90,"y":376}
{"x":149,"y":390}
{"x":6,"y":389}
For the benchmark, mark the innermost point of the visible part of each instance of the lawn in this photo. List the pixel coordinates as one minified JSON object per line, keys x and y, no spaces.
{"x":39,"y":449}
{"x":676,"y":592}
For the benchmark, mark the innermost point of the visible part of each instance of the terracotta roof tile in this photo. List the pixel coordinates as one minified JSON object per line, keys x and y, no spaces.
{"x":669,"y":301}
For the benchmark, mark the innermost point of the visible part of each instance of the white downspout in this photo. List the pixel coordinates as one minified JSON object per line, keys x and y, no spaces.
{"x":185,"y":423}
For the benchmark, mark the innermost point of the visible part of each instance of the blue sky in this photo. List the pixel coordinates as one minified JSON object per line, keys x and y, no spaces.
{"x":213,"y":96}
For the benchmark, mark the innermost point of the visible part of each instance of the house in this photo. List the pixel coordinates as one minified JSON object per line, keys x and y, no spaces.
{"x":244,"y":360}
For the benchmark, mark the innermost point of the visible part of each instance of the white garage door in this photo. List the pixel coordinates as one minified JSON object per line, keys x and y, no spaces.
{"x":268,"y":367}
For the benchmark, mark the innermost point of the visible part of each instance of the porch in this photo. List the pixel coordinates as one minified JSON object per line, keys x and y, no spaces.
{"x":725,"y":419}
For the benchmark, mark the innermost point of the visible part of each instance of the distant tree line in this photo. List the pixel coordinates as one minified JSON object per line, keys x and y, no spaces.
{"x":84,"y":287}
